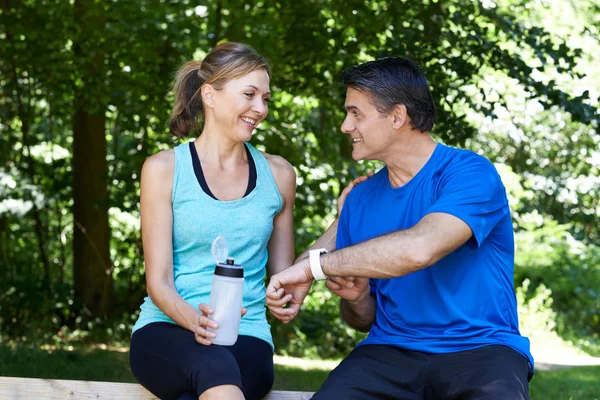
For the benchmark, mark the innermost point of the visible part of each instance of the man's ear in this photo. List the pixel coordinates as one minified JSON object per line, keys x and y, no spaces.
{"x":399,"y":115}
{"x":208,"y":95}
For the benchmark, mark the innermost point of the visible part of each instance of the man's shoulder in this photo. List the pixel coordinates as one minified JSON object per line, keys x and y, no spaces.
{"x":463,"y":161}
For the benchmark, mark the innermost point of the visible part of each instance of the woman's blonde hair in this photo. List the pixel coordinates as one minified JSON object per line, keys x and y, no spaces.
{"x":225,"y":62}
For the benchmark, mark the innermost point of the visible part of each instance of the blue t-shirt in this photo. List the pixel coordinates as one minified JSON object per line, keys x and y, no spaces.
{"x":465,"y":300}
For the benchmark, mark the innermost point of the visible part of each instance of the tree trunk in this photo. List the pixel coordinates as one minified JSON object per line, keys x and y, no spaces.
{"x":218,"y":23}
{"x":92,"y":273}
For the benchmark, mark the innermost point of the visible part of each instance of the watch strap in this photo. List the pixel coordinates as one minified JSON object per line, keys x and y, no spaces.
{"x":314,"y":260}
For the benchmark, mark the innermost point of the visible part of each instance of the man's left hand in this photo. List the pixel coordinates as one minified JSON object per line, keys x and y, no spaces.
{"x":348,"y":288}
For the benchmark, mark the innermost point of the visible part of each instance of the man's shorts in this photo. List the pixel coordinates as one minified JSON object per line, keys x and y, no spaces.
{"x":388,"y":372}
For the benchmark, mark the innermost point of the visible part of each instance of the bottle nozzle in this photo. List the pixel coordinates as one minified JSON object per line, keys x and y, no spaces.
{"x":220,"y":249}
{"x":230,"y":261}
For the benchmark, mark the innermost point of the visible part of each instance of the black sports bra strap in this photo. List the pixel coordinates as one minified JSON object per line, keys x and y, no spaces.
{"x":202,"y":180}
{"x":252,"y":168}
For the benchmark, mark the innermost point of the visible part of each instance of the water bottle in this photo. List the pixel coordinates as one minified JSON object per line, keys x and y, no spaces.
{"x":226,"y":296}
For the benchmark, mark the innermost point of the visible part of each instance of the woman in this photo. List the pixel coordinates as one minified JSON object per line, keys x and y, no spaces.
{"x":216,"y":185}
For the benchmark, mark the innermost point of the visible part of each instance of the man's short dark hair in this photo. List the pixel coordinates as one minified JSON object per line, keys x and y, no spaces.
{"x":395,"y":80}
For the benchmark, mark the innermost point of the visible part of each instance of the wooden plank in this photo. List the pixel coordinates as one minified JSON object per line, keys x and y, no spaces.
{"x":33,"y":388}
{"x":281,"y":395}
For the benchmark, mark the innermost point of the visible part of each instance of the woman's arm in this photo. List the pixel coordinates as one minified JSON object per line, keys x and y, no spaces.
{"x":281,"y":243}
{"x":157,"y":226}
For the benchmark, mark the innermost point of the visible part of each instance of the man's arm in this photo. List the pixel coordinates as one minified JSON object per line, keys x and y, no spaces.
{"x":402,"y":252}
{"x":359,"y":315}
{"x":392,"y":255}
{"x":389,"y":256}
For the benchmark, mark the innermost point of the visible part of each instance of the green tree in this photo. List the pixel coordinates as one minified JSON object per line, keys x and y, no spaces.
{"x":92,"y":274}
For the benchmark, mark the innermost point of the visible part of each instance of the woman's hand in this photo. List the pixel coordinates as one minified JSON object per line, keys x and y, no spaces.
{"x":348,"y":189}
{"x":276,"y":301}
{"x":201,"y":333}
{"x":289,"y":286}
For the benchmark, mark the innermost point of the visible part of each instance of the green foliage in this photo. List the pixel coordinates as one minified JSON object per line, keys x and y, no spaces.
{"x":535,"y":310}
{"x":557,"y":276}
{"x":549,"y":257}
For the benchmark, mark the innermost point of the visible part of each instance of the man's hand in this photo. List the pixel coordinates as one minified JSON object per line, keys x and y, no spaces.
{"x":290,"y":287}
{"x":349,"y":288}
{"x":348,"y":189}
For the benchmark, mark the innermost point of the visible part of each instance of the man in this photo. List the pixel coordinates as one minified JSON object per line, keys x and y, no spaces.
{"x":425,"y":257}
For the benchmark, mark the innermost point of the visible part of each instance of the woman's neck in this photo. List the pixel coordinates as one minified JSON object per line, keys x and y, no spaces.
{"x":216,"y":149}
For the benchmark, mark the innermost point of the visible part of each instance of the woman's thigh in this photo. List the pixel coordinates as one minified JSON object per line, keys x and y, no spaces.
{"x":166,"y":359}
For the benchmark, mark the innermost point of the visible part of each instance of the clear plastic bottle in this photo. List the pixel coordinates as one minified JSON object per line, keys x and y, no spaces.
{"x":226,"y":297}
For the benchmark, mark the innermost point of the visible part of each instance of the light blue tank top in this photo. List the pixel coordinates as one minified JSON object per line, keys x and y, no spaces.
{"x":198,"y":219}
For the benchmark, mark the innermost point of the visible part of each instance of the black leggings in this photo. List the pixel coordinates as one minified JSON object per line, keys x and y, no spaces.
{"x":166,"y":359}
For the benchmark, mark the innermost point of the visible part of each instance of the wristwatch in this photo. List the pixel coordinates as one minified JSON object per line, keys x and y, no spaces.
{"x":314,"y":260}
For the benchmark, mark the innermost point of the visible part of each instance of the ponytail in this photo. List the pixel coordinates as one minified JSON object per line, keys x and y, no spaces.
{"x":188,"y":100}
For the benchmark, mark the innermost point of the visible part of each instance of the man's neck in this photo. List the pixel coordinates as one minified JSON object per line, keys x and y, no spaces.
{"x":409,"y":159}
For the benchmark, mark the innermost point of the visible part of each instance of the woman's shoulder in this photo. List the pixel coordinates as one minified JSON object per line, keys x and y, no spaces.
{"x":280,"y":167}
{"x":157,"y":176}
{"x":160,"y":163}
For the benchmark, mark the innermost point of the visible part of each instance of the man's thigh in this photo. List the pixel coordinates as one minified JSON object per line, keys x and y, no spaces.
{"x":376,"y":372}
{"x":490,"y":372}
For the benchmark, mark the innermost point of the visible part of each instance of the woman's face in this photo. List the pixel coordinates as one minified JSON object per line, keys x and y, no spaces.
{"x":242,"y":104}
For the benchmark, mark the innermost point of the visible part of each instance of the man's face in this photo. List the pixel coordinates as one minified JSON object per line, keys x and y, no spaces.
{"x":369,"y":130}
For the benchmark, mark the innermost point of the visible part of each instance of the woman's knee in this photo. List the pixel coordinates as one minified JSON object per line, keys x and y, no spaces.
{"x":220,"y":368}
{"x":255,"y":359}
{"x":259,"y":383}
{"x":223,"y":392}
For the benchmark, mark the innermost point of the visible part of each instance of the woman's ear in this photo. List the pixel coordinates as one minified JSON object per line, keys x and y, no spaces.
{"x":208,"y":95}
{"x":400,"y":115}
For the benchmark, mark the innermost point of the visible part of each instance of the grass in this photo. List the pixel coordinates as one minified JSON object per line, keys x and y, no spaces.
{"x":112,"y":365}
{"x":106,"y":364}
{"x":81,"y":364}
{"x":566,"y":384}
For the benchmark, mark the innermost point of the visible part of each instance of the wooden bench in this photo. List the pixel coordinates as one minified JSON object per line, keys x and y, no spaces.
{"x":33,"y":388}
